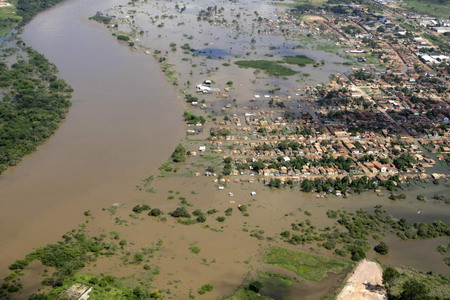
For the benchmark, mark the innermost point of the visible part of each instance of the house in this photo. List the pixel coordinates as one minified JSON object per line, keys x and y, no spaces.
{"x":203,"y":89}
{"x":380,"y":167}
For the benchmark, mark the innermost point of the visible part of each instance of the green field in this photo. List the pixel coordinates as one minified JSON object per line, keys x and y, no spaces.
{"x":308,"y":266}
{"x":437,"y":8}
{"x":300,"y":60}
{"x":272,"y":68}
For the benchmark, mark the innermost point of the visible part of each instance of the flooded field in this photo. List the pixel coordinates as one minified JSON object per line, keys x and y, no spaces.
{"x":126,"y":120}
{"x":228,"y":253}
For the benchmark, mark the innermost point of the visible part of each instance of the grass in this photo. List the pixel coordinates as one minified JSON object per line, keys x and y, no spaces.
{"x":282,"y":279}
{"x":246,"y":294}
{"x":438,"y":42}
{"x":308,"y":266}
{"x":194,"y":249}
{"x":409,"y":27}
{"x":430,"y":7}
{"x":8,"y":19}
{"x":272,"y":68}
{"x":300,"y":60}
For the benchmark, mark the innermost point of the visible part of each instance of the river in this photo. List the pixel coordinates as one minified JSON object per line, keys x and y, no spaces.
{"x":124,"y":122}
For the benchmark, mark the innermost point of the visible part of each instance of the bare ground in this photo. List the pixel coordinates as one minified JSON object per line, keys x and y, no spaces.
{"x":366,"y":283}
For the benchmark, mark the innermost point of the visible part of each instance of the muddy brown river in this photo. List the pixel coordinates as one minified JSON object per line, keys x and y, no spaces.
{"x":124,"y":122}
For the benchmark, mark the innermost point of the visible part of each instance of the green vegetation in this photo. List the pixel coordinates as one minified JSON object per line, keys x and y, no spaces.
{"x":272,"y":68}
{"x":205,"y":288}
{"x":21,"y":13}
{"x":280,"y":278}
{"x":140,"y":208}
{"x":179,"y":154}
{"x":74,"y":252}
{"x":444,"y":45}
{"x":300,"y":60}
{"x":194,"y":249}
{"x":437,"y":8}
{"x":249,"y":292}
{"x":34,"y":103}
{"x":360,"y":226}
{"x":103,"y":287}
{"x":8,"y":19}
{"x":101,"y":18}
{"x":193,"y":119}
{"x":412,"y":284}
{"x":382,"y":248}
{"x":27,"y":9}
{"x":180,"y":212}
{"x":308,"y":266}
{"x":122,"y":37}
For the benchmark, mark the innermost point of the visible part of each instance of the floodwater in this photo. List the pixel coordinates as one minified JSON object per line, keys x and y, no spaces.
{"x":124,"y":122}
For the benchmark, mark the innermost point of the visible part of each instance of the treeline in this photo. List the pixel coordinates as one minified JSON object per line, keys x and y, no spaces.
{"x":33,"y":104}
{"x":24,"y":11}
{"x":27,"y":9}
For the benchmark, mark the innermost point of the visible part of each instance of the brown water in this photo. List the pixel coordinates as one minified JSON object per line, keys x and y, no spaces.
{"x":124,"y":122}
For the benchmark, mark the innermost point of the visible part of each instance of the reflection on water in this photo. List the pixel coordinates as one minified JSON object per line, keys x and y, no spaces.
{"x":214,"y":53}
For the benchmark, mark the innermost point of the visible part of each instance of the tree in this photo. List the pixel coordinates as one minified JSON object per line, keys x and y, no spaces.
{"x":307,"y":185}
{"x":389,"y":275}
{"x":155,"y":212}
{"x":255,"y":286}
{"x":357,"y":253}
{"x":179,"y":154}
{"x":180,"y":212}
{"x":414,"y":290}
{"x":382,"y":248}
{"x":275,"y":183}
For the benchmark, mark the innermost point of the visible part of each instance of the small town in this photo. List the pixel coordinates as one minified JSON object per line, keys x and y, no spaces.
{"x":387,"y":116}
{"x":225,"y":150}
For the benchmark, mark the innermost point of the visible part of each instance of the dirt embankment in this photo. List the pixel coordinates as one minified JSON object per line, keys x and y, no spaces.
{"x":366,"y":283}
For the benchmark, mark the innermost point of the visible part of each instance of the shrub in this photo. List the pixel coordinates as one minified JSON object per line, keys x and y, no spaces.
{"x":155,"y":212}
{"x":205,"y":288}
{"x":180,"y":212}
{"x":382,"y":248}
{"x":255,"y":286}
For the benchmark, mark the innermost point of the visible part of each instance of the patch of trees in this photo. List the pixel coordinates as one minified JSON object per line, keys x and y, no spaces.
{"x":27,"y":9}
{"x":179,"y":154}
{"x":414,"y":285}
{"x":67,"y":256}
{"x":193,"y":119}
{"x":359,"y":226}
{"x":101,"y":18}
{"x":343,"y":184}
{"x":34,"y":103}
{"x":221,"y":132}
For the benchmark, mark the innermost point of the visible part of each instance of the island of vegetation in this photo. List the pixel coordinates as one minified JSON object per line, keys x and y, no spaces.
{"x":34,"y":100}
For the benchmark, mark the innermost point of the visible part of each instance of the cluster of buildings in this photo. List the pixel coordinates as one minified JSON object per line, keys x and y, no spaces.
{"x":384,"y":117}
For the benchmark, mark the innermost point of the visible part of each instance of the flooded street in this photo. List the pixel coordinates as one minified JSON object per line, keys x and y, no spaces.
{"x":124,"y":122}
